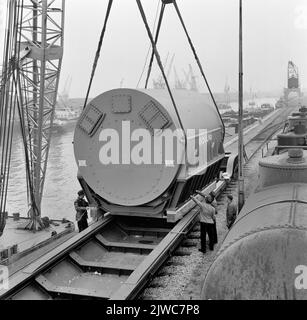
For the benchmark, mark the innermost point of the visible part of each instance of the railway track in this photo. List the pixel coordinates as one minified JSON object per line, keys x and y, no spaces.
{"x":115,"y":258}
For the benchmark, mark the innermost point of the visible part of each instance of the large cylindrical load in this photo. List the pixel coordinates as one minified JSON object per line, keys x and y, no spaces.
{"x":263,"y":255}
{"x":284,"y":168}
{"x":115,"y":122}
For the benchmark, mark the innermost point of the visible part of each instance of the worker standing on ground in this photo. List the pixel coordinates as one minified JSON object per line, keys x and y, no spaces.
{"x":81,"y":211}
{"x":231,"y":212}
{"x":212,"y":201}
{"x":207,"y":219}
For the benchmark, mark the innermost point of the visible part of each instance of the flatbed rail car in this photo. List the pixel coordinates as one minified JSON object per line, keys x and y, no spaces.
{"x":113,"y":259}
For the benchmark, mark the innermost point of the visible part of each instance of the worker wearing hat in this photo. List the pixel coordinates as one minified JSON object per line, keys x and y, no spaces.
{"x":81,"y":207}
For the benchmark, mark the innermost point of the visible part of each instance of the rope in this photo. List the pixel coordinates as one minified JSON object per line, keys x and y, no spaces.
{"x":98,"y":51}
{"x":156,"y":41}
{"x":198,"y":61}
{"x":156,"y":53}
{"x":148,"y":51}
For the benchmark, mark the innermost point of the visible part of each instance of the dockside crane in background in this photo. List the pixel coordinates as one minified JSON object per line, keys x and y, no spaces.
{"x":293,"y":81}
{"x":160,"y":83}
{"x":30,"y":86}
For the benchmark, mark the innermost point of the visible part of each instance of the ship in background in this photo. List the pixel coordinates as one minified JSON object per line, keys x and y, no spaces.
{"x":225,"y":106}
{"x":66,"y":115}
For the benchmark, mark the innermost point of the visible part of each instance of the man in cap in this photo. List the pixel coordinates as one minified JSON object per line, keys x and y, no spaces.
{"x":207,"y":220}
{"x":81,"y":211}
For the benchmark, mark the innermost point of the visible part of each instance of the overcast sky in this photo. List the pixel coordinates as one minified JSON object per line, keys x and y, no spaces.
{"x":274,"y":32}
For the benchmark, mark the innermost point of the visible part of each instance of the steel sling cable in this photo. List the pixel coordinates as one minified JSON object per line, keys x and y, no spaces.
{"x":148,"y":51}
{"x":98,"y":51}
{"x":161,"y":66}
{"x":156,"y":41}
{"x":198,"y":61}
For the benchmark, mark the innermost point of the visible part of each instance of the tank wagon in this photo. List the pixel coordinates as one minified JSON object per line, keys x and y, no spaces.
{"x":135,"y":186}
{"x":294,"y":133}
{"x":264,"y":254}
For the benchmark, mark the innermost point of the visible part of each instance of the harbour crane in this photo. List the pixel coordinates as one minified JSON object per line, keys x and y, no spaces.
{"x":178,"y":83}
{"x":293,"y":81}
{"x":31,"y":86}
{"x":160,"y":84}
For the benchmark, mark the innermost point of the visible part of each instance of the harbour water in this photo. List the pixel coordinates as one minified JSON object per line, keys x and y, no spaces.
{"x":61,"y":183}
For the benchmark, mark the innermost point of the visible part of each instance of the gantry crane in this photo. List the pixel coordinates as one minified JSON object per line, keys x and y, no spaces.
{"x":38,"y":27}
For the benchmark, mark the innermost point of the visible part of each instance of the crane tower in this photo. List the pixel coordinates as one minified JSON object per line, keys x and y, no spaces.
{"x":37,"y":34}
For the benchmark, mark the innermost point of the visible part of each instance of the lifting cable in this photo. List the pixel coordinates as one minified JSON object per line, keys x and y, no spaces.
{"x":193,"y":50}
{"x":98,"y":51}
{"x":148,"y":51}
{"x":156,"y":53}
{"x":198,"y":61}
{"x":156,"y":41}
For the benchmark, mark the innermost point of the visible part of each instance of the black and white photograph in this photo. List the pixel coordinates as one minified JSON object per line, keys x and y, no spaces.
{"x":153,"y":153}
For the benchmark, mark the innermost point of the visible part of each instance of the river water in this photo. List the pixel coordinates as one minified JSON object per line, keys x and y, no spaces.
{"x":61,"y":183}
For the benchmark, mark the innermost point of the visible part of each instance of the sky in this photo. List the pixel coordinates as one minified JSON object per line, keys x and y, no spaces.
{"x":275,"y":31}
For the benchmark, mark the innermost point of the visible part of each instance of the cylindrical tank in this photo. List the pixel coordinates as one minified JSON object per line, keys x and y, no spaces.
{"x":283,"y":169}
{"x":125,"y":111}
{"x":264,"y":254}
{"x":295,"y":133}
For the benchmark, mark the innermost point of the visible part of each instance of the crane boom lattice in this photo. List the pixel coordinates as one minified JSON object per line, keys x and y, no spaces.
{"x":38,"y":50}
